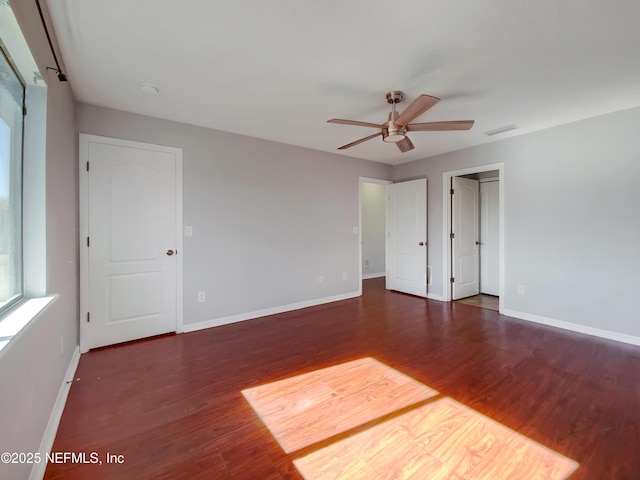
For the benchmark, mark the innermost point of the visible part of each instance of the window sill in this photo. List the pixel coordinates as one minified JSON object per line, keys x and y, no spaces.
{"x":15,"y":321}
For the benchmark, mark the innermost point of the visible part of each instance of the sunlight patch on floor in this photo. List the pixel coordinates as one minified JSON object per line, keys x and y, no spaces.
{"x":308,"y":408}
{"x":364,"y":420}
{"x":440,"y":440}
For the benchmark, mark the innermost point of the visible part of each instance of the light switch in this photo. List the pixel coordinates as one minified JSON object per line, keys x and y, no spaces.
{"x":188,"y":231}
{"x":356,"y":230}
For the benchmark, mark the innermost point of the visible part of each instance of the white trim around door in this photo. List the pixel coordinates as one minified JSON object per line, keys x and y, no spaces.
{"x":84,"y":143}
{"x":446,"y":225}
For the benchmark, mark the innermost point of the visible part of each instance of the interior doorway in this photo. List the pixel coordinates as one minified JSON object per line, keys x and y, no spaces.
{"x":372,"y":228}
{"x":473,"y":240}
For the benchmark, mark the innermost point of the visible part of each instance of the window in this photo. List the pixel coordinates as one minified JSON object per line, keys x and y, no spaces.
{"x":12,"y":95}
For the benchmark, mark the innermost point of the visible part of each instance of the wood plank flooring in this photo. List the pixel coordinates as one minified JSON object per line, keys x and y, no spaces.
{"x":363,"y":420}
{"x":174,"y":407}
{"x":441,"y":439}
{"x":306,"y":409}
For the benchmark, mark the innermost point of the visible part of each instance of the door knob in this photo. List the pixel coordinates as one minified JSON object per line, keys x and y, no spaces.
{"x":421,"y":244}
{"x":169,"y":252}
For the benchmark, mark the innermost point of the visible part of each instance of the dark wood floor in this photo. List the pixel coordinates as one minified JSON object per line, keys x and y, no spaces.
{"x":173,"y":406}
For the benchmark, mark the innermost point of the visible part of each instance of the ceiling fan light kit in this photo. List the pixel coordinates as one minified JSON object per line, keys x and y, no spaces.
{"x":395,"y":129}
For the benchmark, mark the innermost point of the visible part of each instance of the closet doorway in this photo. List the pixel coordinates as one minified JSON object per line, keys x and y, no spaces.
{"x":473,"y":236}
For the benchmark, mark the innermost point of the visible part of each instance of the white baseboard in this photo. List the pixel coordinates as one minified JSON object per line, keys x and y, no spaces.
{"x":373,"y":275}
{"x":435,"y":296}
{"x":267,"y":311}
{"x":574,"y":327}
{"x":37,"y":472}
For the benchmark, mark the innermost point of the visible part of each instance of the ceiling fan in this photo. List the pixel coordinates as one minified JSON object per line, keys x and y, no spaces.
{"x":395,"y":129}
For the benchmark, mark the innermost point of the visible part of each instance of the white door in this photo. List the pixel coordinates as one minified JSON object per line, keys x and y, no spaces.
{"x":407,"y":237}
{"x":489,"y":237}
{"x":132,"y":245}
{"x":466,"y":259}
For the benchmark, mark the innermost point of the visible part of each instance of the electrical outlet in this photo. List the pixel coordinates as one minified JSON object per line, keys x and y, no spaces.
{"x":344,"y":275}
{"x":201,"y":297}
{"x":320,"y":279}
{"x":520,"y":289}
{"x":188,"y":231}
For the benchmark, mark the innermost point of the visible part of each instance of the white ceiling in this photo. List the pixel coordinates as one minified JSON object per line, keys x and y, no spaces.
{"x":279,"y":69}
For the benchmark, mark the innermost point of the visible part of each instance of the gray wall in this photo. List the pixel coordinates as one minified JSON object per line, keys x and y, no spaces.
{"x":32,"y":367}
{"x":572,"y":226}
{"x":372,"y":196}
{"x":268,"y":219}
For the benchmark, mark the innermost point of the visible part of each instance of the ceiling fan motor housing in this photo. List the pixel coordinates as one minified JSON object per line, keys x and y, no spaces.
{"x":391,"y":132}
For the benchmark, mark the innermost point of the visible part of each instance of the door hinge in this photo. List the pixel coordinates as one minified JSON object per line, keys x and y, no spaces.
{"x":88,"y":317}
{"x":452,"y":280}
{"x":452,"y":235}
{"x":87,"y":166}
{"x":88,"y":242}
{"x":451,"y":191}
{"x":24,"y":111}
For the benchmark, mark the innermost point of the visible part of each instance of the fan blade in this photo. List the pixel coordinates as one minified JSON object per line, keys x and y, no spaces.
{"x":353,"y":122}
{"x":440,"y":126}
{"x":405,"y":145}
{"x":417,"y":108}
{"x":353,"y":144}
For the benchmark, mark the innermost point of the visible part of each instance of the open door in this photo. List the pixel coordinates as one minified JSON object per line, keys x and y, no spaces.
{"x":407,"y":237}
{"x":465,"y":238}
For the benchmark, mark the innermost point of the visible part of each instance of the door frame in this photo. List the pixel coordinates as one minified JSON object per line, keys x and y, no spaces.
{"x":446,"y":226}
{"x":379,"y":182}
{"x":83,"y":183}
